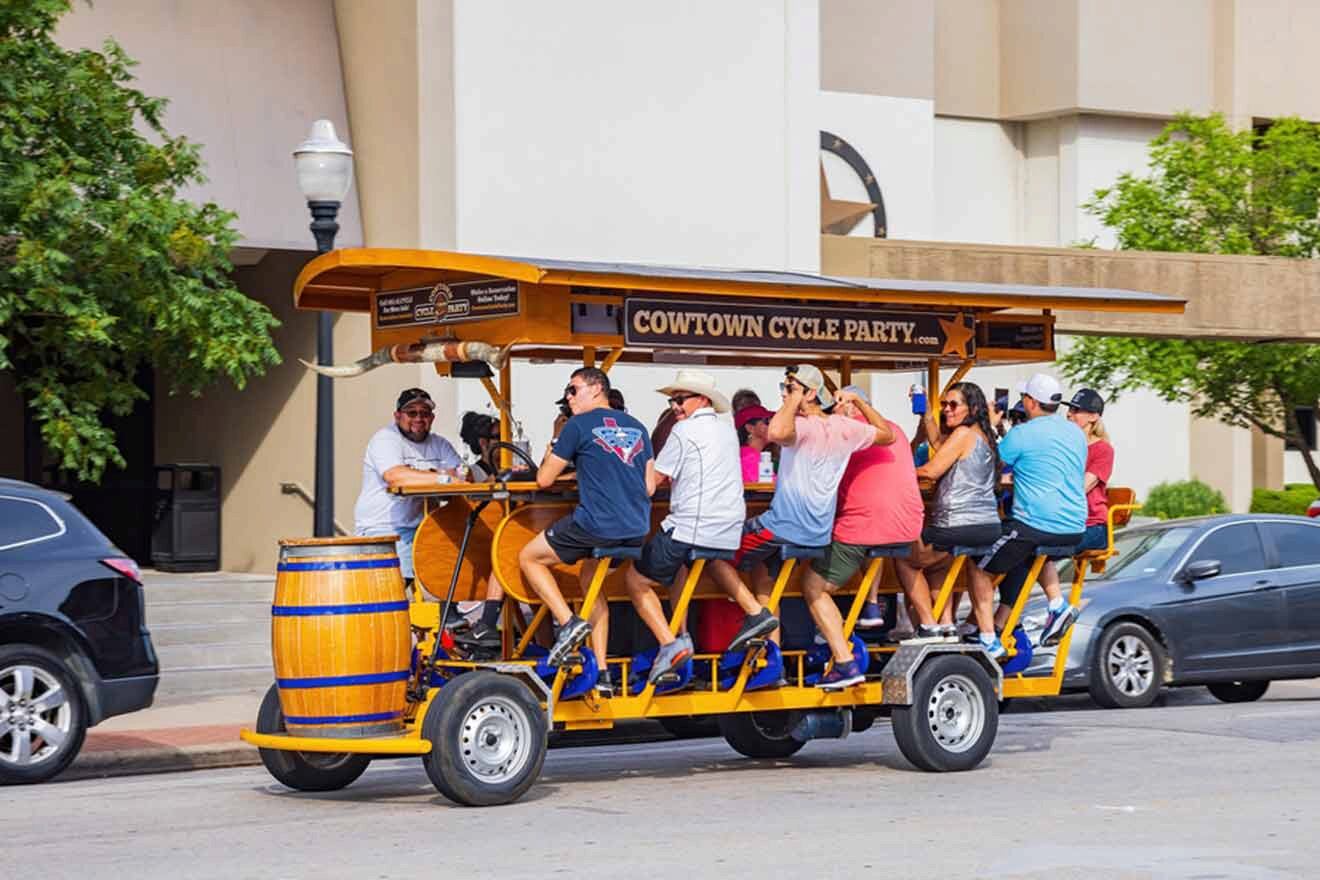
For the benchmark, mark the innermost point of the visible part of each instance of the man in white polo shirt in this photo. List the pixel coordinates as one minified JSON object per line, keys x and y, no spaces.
{"x":706,"y":507}
{"x":403,"y":454}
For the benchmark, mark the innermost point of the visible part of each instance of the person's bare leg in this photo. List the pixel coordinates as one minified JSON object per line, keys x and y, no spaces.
{"x":641,"y":590}
{"x":600,"y":613}
{"x":815,"y":592}
{"x":937,"y":569}
{"x":535,"y":560}
{"x":983,"y":601}
{"x":1049,"y":580}
{"x":916,"y":590}
{"x":727,"y":577}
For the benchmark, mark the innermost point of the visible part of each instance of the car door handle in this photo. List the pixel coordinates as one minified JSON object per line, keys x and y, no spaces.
{"x":1264,"y":582}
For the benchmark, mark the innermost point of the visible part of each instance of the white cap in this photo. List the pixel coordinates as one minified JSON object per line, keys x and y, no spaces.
{"x":1042,"y":388}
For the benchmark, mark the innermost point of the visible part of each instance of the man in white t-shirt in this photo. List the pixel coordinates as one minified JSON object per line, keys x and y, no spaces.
{"x":706,"y":507}
{"x":404,"y":454}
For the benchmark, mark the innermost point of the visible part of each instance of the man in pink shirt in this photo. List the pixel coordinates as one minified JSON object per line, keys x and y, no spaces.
{"x":879,"y":503}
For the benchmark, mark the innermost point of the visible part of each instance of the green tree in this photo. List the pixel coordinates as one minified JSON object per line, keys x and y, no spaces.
{"x":104,"y":268}
{"x":1214,"y":190}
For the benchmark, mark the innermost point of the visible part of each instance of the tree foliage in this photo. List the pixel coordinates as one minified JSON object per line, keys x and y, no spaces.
{"x":1214,"y":190}
{"x":104,"y":268}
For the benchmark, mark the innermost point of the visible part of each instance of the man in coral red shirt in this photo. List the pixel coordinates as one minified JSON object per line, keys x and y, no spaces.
{"x":879,"y":503}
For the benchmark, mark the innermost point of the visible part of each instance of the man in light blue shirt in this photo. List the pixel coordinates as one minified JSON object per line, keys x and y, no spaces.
{"x":1048,"y":457}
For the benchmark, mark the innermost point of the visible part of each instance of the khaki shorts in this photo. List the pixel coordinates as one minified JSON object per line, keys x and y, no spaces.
{"x":840,"y":562}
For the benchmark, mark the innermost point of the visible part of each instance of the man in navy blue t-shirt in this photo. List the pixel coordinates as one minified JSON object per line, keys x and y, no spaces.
{"x":616,"y":476}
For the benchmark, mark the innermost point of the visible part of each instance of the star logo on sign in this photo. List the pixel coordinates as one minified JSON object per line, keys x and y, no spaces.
{"x":956,"y":336}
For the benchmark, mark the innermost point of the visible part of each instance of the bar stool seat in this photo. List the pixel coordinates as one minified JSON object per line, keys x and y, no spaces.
{"x":710,"y":553}
{"x":798,"y":551}
{"x":1057,"y":551}
{"x":963,"y":550}
{"x":616,"y":551}
{"x":889,"y":551}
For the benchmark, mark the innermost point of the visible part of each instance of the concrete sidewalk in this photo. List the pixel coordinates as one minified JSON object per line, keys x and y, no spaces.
{"x":180,"y":736}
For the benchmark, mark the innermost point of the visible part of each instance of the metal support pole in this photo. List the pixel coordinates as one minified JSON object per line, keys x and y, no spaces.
{"x":324,"y":228}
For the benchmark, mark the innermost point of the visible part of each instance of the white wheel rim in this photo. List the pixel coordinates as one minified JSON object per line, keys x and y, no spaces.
{"x":1130,"y":666}
{"x":955,"y":713}
{"x":495,"y":740}
{"x":36,"y":715}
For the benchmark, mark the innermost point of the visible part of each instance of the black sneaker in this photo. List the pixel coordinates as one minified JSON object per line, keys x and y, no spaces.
{"x":604,"y":684}
{"x":567,"y":638}
{"x":479,"y":634}
{"x":754,"y":626}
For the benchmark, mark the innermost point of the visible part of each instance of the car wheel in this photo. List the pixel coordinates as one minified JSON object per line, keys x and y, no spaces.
{"x":304,"y":771}
{"x":761,"y":734}
{"x":1126,"y":669}
{"x":42,"y":719}
{"x":1238,"y":691}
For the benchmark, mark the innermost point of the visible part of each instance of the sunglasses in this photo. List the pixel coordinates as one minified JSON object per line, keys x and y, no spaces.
{"x":680,"y":399}
{"x":751,"y":422}
{"x":785,"y":386}
{"x":419,"y":413}
{"x":951,"y":404}
{"x":570,"y":391}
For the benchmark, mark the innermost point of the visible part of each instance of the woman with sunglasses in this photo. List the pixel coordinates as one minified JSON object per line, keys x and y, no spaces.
{"x":964,"y":512}
{"x":753,"y":424}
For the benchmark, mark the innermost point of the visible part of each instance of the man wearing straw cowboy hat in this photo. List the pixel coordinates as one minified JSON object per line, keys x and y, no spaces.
{"x":706,"y":507}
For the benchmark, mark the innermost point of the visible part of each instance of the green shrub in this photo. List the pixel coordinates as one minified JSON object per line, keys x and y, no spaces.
{"x":1295,"y":498}
{"x":1185,"y":498}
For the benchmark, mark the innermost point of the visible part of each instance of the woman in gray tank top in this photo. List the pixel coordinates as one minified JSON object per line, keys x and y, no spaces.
{"x":964,"y":512}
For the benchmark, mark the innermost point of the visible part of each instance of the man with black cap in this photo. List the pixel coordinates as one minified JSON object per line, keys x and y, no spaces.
{"x":405,"y":453}
{"x":1048,"y":457}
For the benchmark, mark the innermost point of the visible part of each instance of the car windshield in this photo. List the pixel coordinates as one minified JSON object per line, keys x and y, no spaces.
{"x":1141,"y":552}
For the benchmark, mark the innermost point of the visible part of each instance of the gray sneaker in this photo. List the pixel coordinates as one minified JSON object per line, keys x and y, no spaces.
{"x":567,"y":638}
{"x":754,"y":626}
{"x":670,"y":657}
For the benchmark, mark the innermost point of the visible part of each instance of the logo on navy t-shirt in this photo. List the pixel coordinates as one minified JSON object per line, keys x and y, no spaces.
{"x":625,"y":443}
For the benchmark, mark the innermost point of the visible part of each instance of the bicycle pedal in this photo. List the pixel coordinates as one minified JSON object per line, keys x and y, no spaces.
{"x":667,"y":678}
{"x":756,"y":644}
{"x":574,"y":659}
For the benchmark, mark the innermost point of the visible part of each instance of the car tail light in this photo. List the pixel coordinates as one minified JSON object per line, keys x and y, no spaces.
{"x":126,"y":567}
{"x":1314,"y":509}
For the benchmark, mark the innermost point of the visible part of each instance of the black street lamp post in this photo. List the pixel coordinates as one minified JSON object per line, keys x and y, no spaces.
{"x":325,"y":172}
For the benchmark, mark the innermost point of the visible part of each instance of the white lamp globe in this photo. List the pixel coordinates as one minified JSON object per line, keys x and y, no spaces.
{"x":324,"y":163}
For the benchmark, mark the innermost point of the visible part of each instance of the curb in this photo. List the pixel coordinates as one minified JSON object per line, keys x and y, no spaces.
{"x":134,"y":762}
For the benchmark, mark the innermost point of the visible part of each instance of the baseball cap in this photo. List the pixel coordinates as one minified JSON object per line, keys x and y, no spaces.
{"x":1042,"y":388}
{"x":1087,"y":400}
{"x":814,"y":380}
{"x":412,"y":395}
{"x":859,"y":391}
{"x":751,"y":413}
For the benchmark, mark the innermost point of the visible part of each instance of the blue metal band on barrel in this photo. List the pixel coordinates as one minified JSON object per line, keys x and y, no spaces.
{"x":342,"y":719}
{"x":345,"y":565}
{"x":343,"y":680}
{"x":317,"y":610}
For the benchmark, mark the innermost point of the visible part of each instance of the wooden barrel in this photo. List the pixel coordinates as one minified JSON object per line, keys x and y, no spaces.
{"x":339,"y":637}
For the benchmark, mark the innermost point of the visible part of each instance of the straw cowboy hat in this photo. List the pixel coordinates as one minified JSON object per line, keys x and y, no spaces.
{"x":697,"y":382}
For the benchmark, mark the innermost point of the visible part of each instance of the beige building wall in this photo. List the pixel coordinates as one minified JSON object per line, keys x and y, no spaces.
{"x":1221,"y":456}
{"x":967,"y":58}
{"x":878,"y":47}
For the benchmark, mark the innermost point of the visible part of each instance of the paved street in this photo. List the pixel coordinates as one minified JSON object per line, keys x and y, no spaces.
{"x":1193,"y":789}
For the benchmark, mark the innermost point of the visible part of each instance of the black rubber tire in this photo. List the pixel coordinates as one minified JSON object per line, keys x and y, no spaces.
{"x":690,"y":726}
{"x":447,"y":723}
{"x":1100,"y":684}
{"x":761,"y":734}
{"x":304,"y":771}
{"x":915,"y":725}
{"x":53,"y":764}
{"x":1238,"y":691}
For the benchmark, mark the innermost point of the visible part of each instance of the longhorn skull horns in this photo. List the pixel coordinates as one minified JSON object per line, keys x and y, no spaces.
{"x":418,"y":353}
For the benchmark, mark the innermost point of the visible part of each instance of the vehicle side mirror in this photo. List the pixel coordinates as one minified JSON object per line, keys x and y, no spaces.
{"x":1197,"y":571}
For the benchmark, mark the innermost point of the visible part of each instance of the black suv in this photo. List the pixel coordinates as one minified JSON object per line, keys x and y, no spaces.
{"x":74,"y":646}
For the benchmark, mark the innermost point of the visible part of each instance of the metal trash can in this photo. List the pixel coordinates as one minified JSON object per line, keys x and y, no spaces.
{"x":186,"y":531}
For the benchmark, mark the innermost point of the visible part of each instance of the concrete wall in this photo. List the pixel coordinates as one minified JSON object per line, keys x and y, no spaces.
{"x":246,"y":84}
{"x":878,"y":47}
{"x":979,"y":173}
{"x":967,"y":58}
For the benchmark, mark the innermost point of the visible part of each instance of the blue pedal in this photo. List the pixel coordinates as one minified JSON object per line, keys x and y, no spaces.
{"x":641,"y":668}
{"x":1022,"y":659}
{"x":767,"y":676}
{"x":819,"y":657}
{"x":578,"y":684}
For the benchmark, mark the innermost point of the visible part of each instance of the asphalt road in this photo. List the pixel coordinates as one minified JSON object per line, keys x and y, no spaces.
{"x":1193,"y":789}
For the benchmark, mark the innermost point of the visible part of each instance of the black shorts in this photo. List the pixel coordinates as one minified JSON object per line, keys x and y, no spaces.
{"x":759,"y":547}
{"x":571,"y":542}
{"x":946,"y":538}
{"x":663,"y":558}
{"x":1018,"y":545}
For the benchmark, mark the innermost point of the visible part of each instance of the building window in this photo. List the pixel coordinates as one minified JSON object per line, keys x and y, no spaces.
{"x":1306,"y":421}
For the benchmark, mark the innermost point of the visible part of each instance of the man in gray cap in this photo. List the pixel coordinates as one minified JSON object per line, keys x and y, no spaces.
{"x":816,"y":448}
